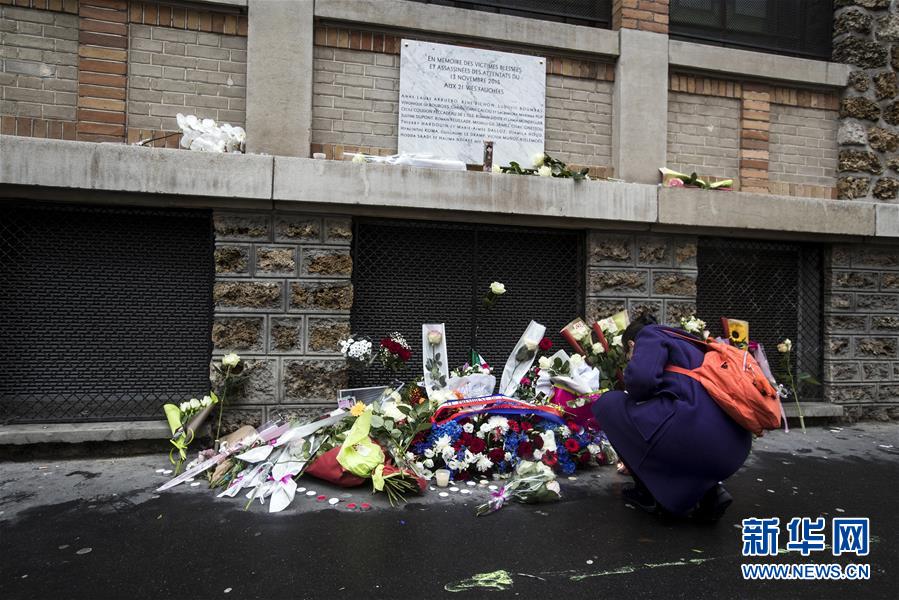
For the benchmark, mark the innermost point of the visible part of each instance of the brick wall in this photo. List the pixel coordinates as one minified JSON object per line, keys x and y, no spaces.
{"x":703,"y":135}
{"x":356,"y":100}
{"x":282,"y":300}
{"x":861,"y":323}
{"x":641,"y":273}
{"x":38,"y":72}
{"x":191,"y":72}
{"x":646,"y":15}
{"x":802,"y":146}
{"x":579,"y":120}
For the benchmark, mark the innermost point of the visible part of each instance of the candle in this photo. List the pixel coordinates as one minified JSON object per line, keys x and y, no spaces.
{"x":442,"y":477}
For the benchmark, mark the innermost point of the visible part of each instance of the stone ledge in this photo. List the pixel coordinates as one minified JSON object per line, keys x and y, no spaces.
{"x":77,"y":433}
{"x":745,"y":63}
{"x":887,"y":220}
{"x":742,"y":210}
{"x":122,"y":168}
{"x":813,"y":410}
{"x":339,"y":183}
{"x":470,"y":23}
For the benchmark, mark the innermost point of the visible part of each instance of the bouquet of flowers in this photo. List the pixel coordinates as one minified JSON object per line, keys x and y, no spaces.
{"x":358,"y":351}
{"x":694,"y":325}
{"x":394,"y":352}
{"x":484,"y":445}
{"x":532,"y":483}
{"x":184,"y":420}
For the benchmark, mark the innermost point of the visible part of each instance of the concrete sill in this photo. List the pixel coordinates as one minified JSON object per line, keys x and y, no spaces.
{"x":814,"y":409}
{"x":77,"y":433}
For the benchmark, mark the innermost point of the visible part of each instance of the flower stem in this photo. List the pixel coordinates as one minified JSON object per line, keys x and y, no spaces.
{"x":218,"y":428}
{"x":793,"y":389}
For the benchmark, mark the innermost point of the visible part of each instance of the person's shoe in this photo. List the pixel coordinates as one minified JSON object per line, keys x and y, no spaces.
{"x":640,"y":498}
{"x":713,"y":505}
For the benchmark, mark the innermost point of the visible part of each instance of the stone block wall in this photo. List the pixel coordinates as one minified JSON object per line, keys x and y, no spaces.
{"x":803,"y":147}
{"x":356,"y":99}
{"x":703,"y":134}
{"x":282,"y":299}
{"x":866,"y":36}
{"x":641,"y":273}
{"x":861,"y":330}
{"x":38,"y":72}
{"x":191,"y":72}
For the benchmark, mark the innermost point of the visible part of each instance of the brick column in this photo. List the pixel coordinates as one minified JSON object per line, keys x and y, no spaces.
{"x":102,"y":70}
{"x":755,"y":124}
{"x":646,"y":15}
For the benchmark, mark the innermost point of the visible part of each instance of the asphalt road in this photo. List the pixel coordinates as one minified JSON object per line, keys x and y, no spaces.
{"x":95,"y":529}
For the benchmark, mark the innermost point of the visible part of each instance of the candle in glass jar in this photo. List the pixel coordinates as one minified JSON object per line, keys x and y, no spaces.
{"x":442,"y":476}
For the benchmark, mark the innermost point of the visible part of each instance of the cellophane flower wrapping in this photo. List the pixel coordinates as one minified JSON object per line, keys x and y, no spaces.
{"x":532,"y":483}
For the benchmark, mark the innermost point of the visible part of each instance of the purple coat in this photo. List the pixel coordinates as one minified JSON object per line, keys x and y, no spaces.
{"x":667,"y":428}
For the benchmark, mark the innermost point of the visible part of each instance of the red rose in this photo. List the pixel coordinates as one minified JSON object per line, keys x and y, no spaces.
{"x":526,"y":426}
{"x":405,"y":354}
{"x":545,"y":344}
{"x":584,"y":458}
{"x":386,"y":342}
{"x":537,"y":441}
{"x":549,"y":459}
{"x":525,"y":381}
{"x":477,"y":445}
{"x":496,"y":455}
{"x":572,"y":445}
{"x":573,"y":426}
{"x":525,"y":449}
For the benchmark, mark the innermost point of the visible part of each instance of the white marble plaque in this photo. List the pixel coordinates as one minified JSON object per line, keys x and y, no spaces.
{"x":452,"y":99}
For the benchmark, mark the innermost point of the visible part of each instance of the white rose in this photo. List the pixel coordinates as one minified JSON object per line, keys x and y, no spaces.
{"x":434,"y":337}
{"x":194,"y":403}
{"x":539,"y":159}
{"x":544,"y":362}
{"x":549,"y":441}
{"x":230,"y":360}
{"x":544,"y":171}
{"x":576,"y":361}
{"x":468,"y":428}
{"x":497,"y":288}
{"x":184,"y":406}
{"x":358,"y":159}
{"x":553,"y":486}
{"x":428,"y":463}
{"x":538,"y":454}
{"x":531,"y":345}
{"x":496,"y":169}
{"x":429,"y":453}
{"x":598,"y":349}
{"x":206,"y":401}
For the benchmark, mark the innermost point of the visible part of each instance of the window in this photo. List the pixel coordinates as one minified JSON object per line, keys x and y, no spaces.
{"x":105,"y":313}
{"x":407,"y":273}
{"x":591,"y":13}
{"x":795,"y":27}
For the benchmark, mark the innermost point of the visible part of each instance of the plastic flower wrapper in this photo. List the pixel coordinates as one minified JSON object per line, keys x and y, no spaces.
{"x":532,"y":483}
{"x":358,"y":454}
{"x":184,"y":421}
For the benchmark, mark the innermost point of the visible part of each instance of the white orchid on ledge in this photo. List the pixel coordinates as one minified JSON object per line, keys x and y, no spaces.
{"x":206,"y":136}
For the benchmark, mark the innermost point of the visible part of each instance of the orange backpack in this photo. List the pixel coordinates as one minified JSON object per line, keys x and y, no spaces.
{"x":734,"y":379}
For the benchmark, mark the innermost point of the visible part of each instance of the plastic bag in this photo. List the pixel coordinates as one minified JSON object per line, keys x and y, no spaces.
{"x":358,"y":454}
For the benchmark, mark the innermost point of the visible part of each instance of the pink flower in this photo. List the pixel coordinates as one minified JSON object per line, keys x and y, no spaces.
{"x":674,"y":182}
{"x":525,"y":381}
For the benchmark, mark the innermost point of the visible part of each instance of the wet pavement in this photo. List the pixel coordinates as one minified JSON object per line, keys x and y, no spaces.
{"x":96,"y":529}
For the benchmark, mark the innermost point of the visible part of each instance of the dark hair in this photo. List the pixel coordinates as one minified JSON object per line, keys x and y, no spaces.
{"x":636,"y":327}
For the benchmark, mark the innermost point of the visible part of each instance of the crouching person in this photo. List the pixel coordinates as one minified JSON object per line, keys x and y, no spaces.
{"x":675,"y":440}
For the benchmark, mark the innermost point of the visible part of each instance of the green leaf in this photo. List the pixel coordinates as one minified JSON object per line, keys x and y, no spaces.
{"x":388,"y":424}
{"x":377,"y":421}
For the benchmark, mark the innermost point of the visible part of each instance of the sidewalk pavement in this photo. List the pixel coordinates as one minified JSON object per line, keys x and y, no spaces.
{"x":97,"y":529}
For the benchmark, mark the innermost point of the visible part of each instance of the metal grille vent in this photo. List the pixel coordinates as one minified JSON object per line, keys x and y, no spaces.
{"x":777,"y":287}
{"x":407,"y":273}
{"x":105,"y":313}
{"x":591,"y":13}
{"x":797,"y":27}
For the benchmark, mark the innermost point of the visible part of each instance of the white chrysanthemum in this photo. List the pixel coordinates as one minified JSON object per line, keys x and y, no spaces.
{"x":496,"y":169}
{"x":483,"y":463}
{"x":429,"y":453}
{"x":538,"y":159}
{"x":442,"y":443}
{"x":495,"y":422}
{"x":544,"y":171}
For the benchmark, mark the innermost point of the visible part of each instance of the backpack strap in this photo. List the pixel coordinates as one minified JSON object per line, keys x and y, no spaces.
{"x":682,"y":371}
{"x":688,"y":338}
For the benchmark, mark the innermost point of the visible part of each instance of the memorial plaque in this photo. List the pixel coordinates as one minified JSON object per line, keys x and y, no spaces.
{"x":453,"y":99}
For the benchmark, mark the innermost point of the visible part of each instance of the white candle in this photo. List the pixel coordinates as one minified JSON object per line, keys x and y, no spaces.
{"x":441,"y":476}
